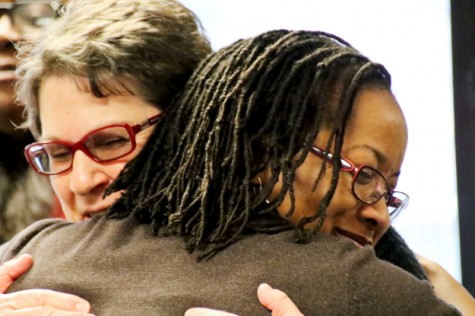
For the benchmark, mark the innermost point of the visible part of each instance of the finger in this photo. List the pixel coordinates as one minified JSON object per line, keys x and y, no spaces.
{"x":201,"y":311}
{"x":43,"y":298}
{"x":276,"y":301}
{"x":13,"y":269}
{"x":419,"y":257}
{"x":45,"y":311}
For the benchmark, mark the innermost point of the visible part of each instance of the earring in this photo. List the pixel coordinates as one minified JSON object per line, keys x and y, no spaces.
{"x":260,"y":189}
{"x":260,"y":183}
{"x":260,"y":186}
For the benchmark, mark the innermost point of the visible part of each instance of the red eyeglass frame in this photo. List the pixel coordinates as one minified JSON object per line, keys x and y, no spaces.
{"x":350,"y":167}
{"x":79,"y":145}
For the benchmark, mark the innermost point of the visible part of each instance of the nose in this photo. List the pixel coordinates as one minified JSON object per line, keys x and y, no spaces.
{"x":8,"y":33}
{"x":376,"y":216}
{"x":87,"y":177}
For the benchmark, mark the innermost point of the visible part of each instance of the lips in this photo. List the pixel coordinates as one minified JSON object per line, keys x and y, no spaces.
{"x":359,"y":240}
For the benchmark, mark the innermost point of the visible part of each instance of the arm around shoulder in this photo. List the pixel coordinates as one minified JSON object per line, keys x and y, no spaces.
{"x":447,"y":288}
{"x":377,"y":287}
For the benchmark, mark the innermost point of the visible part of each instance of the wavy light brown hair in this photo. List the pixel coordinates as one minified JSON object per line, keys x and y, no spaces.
{"x":150,"y":47}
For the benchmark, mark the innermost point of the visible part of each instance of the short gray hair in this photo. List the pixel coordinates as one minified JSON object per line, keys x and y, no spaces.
{"x":150,"y":47}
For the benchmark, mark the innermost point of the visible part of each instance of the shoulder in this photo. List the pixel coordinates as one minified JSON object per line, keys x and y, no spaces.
{"x":56,"y":237}
{"x":337,"y":275}
{"x":13,"y":247}
{"x":381,"y":287}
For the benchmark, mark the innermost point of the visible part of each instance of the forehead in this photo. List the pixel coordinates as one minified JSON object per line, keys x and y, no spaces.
{"x":376,"y":108}
{"x":377,"y":122}
{"x":68,"y":109}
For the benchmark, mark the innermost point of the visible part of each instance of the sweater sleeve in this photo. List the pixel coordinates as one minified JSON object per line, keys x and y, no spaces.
{"x":377,"y":287}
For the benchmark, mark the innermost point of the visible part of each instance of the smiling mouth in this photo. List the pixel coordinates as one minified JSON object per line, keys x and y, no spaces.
{"x":357,"y":239}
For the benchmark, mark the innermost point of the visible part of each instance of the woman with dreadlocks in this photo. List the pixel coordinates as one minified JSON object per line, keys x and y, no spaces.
{"x":277,"y":163}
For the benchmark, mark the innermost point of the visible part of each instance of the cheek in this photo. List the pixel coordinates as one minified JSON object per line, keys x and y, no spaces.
{"x":140,"y":143}
{"x":307,"y":200}
{"x":342,"y":205}
{"x":60,"y":184}
{"x":114,"y":170}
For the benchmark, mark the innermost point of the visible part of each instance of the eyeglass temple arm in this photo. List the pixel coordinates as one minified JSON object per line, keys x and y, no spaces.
{"x":397,"y":202}
{"x":328,"y":156}
{"x":146,"y":123}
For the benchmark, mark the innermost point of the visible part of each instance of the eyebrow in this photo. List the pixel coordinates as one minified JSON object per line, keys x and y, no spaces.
{"x":380,"y":157}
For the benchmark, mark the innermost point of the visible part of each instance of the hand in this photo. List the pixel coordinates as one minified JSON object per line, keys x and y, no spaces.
{"x":274,"y":300}
{"x":13,"y":269}
{"x":447,"y":288}
{"x":35,"y":302}
{"x":201,"y":311}
{"x":277,"y":301}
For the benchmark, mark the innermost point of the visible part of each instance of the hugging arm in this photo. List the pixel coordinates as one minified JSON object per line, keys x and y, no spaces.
{"x":447,"y":288}
{"x":274,"y":300}
{"x":13,"y":269}
{"x":37,"y":302}
{"x":392,"y":248}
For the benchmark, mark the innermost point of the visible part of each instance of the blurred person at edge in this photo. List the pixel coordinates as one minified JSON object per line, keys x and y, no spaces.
{"x":24,"y":196}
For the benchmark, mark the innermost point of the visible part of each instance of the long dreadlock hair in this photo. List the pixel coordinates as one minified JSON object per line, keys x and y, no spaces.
{"x":250,"y":106}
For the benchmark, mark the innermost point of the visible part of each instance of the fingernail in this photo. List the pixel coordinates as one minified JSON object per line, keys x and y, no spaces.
{"x":265,"y":285}
{"x":82,"y":307}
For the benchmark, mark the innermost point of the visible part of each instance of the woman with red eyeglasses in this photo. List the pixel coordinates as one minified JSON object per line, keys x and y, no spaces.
{"x":94,"y":90}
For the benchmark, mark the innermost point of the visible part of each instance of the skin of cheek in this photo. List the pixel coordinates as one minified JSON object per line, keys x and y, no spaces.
{"x":111,"y":170}
{"x":71,"y":201}
{"x":306,"y":201}
{"x":342,"y":205}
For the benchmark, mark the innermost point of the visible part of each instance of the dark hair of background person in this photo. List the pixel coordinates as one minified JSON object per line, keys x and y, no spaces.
{"x":24,"y":196}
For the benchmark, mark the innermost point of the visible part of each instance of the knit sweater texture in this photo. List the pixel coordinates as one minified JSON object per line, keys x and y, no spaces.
{"x":122,"y":268}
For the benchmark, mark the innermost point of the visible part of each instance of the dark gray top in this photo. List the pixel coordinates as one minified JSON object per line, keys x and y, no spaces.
{"x":121,"y":268}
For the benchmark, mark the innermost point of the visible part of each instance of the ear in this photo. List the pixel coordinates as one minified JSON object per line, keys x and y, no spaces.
{"x":261,"y":178}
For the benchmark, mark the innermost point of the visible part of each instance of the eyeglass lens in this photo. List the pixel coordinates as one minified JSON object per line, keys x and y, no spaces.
{"x":29,"y":18}
{"x":397,"y":203}
{"x":106,"y":144}
{"x":370,"y":186}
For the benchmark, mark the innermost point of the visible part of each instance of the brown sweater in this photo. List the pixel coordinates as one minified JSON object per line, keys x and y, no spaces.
{"x":123,"y":269}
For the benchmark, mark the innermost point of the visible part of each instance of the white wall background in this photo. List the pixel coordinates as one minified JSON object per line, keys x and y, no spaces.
{"x":412,"y":39}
